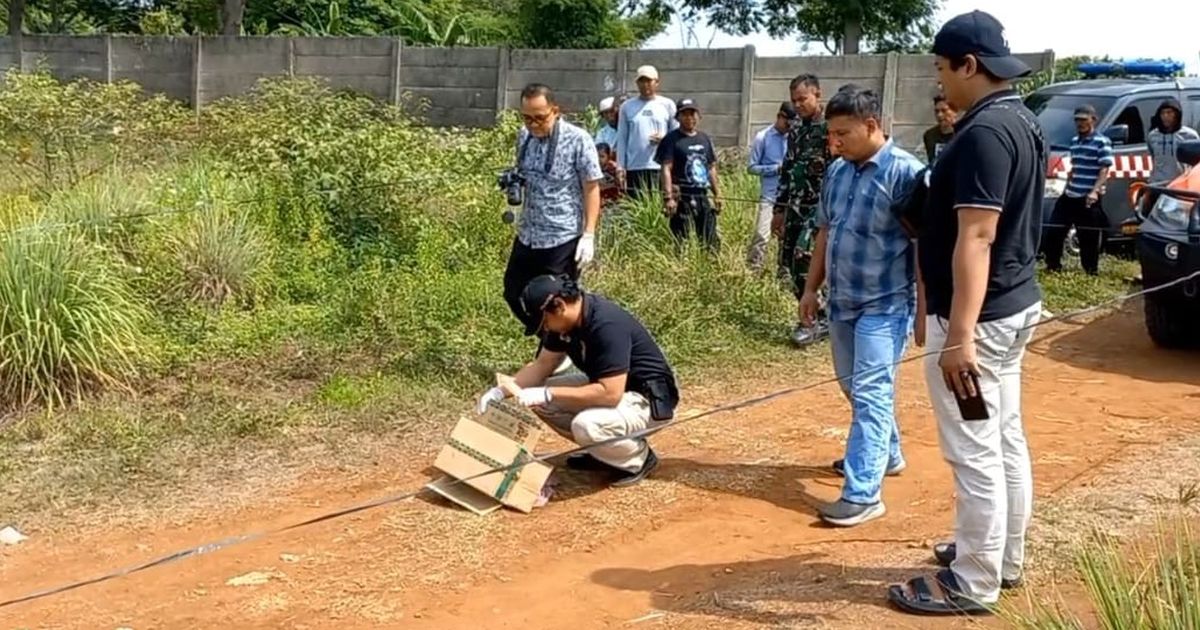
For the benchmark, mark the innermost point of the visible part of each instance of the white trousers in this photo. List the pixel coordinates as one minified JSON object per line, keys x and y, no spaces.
{"x":990,"y":458}
{"x":757,"y":252}
{"x":597,"y":424}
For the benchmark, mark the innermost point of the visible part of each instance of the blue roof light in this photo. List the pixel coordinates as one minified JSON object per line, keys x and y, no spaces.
{"x":1143,"y":67}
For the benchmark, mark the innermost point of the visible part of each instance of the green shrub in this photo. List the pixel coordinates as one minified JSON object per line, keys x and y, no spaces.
{"x":68,"y":321}
{"x":54,"y":135}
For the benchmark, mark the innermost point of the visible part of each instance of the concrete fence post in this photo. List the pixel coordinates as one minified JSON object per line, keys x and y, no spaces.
{"x":503,"y":58}
{"x":291,"y":56}
{"x":747,"y":105}
{"x":108,"y":62}
{"x":197,"y":69}
{"x":891,"y":82}
{"x":623,"y":70}
{"x":397,"y":52}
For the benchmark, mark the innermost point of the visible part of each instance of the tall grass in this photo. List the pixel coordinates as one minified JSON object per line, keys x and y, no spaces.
{"x":1148,"y":587}
{"x":68,"y":321}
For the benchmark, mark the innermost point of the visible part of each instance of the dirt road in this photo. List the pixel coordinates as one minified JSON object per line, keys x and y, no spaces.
{"x":724,"y":536}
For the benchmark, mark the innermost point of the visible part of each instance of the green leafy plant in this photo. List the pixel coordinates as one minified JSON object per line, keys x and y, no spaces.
{"x":68,"y":321}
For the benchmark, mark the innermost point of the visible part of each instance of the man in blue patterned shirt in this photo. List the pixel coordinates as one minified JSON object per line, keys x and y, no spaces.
{"x":557,"y":230}
{"x":867,"y":257}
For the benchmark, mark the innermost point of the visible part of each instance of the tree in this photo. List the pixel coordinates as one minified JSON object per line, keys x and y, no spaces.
{"x":16,"y":17}
{"x":231,"y":17}
{"x":840,"y":25}
{"x":584,"y":24}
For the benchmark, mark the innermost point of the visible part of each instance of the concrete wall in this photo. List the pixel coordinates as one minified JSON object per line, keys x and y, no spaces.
{"x":456,"y":85}
{"x":915,"y":87}
{"x":738,"y":91}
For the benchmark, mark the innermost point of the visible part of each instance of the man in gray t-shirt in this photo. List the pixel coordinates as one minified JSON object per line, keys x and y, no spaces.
{"x":642,"y":123}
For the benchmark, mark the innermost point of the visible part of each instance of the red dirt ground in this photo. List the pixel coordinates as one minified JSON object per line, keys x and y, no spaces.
{"x":724,"y":535}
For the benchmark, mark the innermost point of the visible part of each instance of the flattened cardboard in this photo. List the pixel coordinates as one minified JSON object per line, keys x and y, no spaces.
{"x":513,"y":422}
{"x":464,"y":495}
{"x":474,"y":449}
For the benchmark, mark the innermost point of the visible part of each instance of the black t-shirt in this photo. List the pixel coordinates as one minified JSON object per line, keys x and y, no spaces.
{"x":935,"y":142}
{"x":996,"y":160}
{"x":690,"y":157}
{"x":609,"y":342}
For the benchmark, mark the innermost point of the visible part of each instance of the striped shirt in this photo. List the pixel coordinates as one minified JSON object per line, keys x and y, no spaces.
{"x":869,"y":257}
{"x":1088,"y":155}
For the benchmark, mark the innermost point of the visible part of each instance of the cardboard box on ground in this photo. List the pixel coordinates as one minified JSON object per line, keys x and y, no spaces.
{"x":503,"y":436}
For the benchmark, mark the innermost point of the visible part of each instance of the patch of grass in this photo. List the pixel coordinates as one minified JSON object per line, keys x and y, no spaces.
{"x":1072,"y":289}
{"x":346,"y":392}
{"x":68,"y":321}
{"x":1148,"y":587}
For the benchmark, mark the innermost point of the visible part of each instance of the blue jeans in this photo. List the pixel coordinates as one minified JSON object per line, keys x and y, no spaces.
{"x":865,"y":351}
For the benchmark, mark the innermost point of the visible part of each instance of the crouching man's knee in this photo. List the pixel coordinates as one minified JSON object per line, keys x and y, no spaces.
{"x":595,"y":425}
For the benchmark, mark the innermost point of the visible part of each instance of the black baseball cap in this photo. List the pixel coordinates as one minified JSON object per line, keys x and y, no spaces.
{"x":1085,"y":111}
{"x":685,"y":104}
{"x":788,"y":110}
{"x":538,"y":294}
{"x":979,"y":33}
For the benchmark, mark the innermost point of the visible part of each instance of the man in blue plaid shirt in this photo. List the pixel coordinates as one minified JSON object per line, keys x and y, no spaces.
{"x":867,"y":256}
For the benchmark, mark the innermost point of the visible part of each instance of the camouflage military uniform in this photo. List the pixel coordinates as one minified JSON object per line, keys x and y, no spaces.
{"x":799,"y":193}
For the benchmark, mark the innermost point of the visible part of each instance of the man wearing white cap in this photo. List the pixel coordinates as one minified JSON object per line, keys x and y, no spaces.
{"x":642,"y":123}
{"x":607,"y":133}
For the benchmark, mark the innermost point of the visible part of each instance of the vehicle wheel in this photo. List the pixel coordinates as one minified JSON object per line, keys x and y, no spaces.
{"x":1168,"y":322}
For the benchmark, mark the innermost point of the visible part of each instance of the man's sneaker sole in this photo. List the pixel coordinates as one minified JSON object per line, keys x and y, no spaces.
{"x":894,"y":471}
{"x":871,"y":513}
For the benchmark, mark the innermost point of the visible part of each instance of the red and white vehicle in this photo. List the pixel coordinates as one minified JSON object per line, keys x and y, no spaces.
{"x":1126,"y":110}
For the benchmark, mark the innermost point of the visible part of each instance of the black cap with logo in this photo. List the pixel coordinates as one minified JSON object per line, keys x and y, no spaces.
{"x":788,"y":110}
{"x":684,"y":104}
{"x":982,"y":35}
{"x":539,"y":293}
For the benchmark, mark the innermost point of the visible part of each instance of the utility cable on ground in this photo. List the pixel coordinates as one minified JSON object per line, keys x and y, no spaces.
{"x":217,"y":545}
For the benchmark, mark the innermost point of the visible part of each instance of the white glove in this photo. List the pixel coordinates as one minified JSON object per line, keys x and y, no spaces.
{"x":494,"y":394}
{"x":534,"y":396}
{"x":585,"y":251}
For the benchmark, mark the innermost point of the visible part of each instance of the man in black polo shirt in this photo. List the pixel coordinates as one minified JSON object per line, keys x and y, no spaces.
{"x":977,"y":247}
{"x":625,"y":386}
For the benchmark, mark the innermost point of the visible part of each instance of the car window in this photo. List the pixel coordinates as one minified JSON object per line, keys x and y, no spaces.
{"x":1194,"y":117}
{"x":1139,"y":115}
{"x":1056,"y":113}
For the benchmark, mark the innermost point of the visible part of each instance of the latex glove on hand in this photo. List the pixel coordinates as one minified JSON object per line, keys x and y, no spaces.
{"x":534,"y":396}
{"x":494,"y":394}
{"x":585,"y":251}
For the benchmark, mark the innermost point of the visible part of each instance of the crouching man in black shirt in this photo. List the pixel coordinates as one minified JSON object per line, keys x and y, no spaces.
{"x":625,"y":386}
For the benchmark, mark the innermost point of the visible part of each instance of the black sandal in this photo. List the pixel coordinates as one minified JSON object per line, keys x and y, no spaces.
{"x":922,"y":602}
{"x":945,"y":553}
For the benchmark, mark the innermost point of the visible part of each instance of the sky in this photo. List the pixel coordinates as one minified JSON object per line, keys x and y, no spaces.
{"x":1104,"y":27}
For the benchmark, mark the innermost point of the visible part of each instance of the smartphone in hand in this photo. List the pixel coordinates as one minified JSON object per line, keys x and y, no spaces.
{"x":973,"y":408}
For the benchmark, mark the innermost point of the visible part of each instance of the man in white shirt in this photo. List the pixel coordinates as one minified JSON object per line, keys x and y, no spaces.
{"x":643,"y":122}
{"x":607,"y":133}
